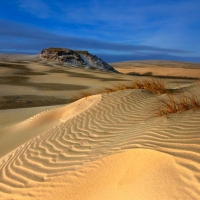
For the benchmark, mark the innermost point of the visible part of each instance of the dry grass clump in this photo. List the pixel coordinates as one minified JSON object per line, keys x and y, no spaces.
{"x":115,"y":88}
{"x":155,"y":86}
{"x":178,"y":103}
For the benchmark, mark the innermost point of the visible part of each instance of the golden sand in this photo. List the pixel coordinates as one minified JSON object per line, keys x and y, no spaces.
{"x":102,"y":147}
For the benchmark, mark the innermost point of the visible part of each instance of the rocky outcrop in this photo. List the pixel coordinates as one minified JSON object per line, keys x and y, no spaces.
{"x":78,"y":57}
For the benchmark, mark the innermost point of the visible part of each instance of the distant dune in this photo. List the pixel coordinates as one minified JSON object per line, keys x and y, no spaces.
{"x":159,"y":68}
{"x":29,"y":81}
{"x":19,"y":57}
{"x":108,"y":146}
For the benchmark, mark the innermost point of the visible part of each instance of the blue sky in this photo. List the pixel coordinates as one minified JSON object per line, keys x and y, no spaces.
{"x":115,"y":30}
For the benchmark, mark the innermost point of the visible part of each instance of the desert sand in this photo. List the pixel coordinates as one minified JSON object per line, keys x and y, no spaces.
{"x":101,"y":147}
{"x":159,"y":68}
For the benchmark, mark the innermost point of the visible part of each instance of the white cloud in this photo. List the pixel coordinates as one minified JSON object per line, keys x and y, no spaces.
{"x":35,"y":7}
{"x":25,"y":36}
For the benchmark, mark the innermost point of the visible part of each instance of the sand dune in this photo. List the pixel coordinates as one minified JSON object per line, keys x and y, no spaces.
{"x":102,"y":147}
{"x":35,"y":83}
{"x":39,"y":123}
{"x":159,"y":68}
{"x":110,"y":146}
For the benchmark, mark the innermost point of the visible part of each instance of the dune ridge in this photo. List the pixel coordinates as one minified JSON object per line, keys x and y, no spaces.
{"x":113,"y":147}
{"x":159,"y":68}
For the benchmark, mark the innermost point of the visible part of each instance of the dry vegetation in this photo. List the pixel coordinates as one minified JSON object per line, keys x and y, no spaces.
{"x":175,"y":103}
{"x":178,"y":103}
{"x":155,"y":86}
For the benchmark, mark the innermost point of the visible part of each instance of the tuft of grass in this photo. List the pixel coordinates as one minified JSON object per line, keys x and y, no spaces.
{"x":178,"y":103}
{"x":155,"y":86}
{"x":115,"y":88}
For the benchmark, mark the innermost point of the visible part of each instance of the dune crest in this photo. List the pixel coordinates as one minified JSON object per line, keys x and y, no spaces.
{"x":37,"y":124}
{"x":110,"y":146}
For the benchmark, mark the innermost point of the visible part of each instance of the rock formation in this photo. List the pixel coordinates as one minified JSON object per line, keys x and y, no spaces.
{"x":77,"y":57}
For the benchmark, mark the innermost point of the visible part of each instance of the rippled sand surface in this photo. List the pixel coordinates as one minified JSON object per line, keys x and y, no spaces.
{"x":105,"y":146}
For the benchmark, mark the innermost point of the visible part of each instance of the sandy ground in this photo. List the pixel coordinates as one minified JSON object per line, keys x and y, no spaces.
{"x":28,"y":81}
{"x":34,"y":82}
{"x":106,"y":146}
{"x":159,"y":68}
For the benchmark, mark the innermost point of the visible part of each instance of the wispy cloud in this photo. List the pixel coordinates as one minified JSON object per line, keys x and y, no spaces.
{"x":162,"y":28}
{"x":125,"y":12}
{"x":146,"y":56}
{"x":37,"y":8}
{"x":140,"y":22}
{"x":38,"y":39}
{"x":136,"y":21}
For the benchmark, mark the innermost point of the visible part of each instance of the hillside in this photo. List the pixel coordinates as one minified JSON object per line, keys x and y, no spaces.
{"x":78,"y":57}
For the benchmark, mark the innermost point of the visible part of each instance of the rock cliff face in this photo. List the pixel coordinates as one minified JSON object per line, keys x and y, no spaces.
{"x":77,"y":57}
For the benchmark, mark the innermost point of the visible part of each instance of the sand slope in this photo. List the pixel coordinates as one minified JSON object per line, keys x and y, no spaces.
{"x":109,"y":146}
{"x":28,"y":81}
{"x":35,"y":83}
{"x":159,"y":68}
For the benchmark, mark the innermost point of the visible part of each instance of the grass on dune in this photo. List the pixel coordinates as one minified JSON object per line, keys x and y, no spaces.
{"x":178,"y":103}
{"x":155,"y":86}
{"x":175,"y":103}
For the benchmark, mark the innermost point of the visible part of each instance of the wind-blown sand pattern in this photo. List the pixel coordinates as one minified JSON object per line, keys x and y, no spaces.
{"x":106,"y":146}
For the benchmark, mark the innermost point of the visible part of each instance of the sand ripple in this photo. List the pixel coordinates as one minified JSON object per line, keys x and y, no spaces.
{"x":117,"y":123}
